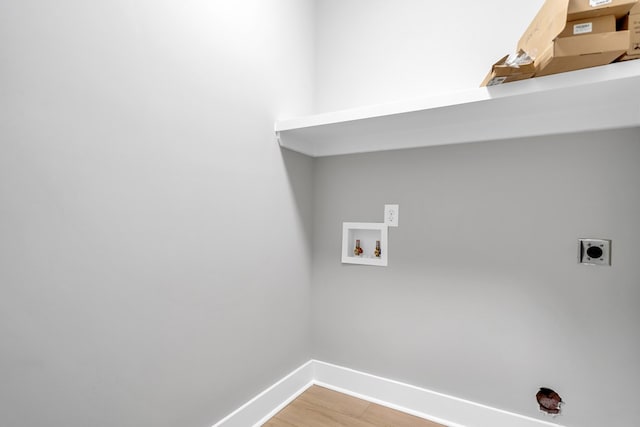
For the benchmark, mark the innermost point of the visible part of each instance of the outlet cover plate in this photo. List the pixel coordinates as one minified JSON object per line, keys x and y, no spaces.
{"x":594,"y":251}
{"x":391,"y":213}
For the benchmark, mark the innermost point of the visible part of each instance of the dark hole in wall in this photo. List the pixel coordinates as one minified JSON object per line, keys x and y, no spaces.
{"x":549,"y":401}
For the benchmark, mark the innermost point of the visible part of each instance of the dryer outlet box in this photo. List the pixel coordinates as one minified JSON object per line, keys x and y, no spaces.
{"x":594,"y":251}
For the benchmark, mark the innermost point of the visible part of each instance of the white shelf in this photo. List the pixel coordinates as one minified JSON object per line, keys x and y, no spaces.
{"x":599,"y":98}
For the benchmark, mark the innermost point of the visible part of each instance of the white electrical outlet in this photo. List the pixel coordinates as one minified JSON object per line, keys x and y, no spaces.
{"x":391,"y":213}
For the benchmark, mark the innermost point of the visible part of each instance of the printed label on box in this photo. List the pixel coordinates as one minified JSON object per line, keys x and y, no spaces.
{"x":496,"y":81}
{"x":584,"y":28}
{"x":596,"y":3}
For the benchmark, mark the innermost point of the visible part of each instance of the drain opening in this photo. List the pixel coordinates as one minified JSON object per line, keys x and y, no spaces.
{"x":549,"y":401}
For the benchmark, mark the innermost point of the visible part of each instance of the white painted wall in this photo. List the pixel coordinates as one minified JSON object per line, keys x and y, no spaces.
{"x":483,"y":298}
{"x":376,"y":51}
{"x":154,"y":254}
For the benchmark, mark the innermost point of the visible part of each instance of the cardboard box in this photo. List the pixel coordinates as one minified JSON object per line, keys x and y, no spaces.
{"x":585,"y":9}
{"x":631,"y":23}
{"x":600,"y":24}
{"x":576,"y":53}
{"x":502,"y":73}
{"x":553,"y":54}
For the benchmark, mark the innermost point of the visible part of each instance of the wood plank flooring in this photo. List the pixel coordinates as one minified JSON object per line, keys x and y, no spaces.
{"x":321,"y":407}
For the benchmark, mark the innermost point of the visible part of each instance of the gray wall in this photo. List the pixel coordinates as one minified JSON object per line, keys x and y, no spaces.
{"x":483,"y":298}
{"x":154,"y":254}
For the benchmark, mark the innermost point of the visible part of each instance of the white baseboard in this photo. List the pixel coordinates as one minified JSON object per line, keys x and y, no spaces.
{"x":441,"y":408}
{"x":268,"y":403}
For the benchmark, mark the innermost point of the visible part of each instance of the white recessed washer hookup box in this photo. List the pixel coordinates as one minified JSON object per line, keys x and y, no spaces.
{"x":365,"y":243}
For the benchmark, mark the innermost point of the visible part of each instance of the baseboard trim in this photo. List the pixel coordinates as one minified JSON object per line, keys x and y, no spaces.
{"x":268,"y":403}
{"x":438,"y":407}
{"x":441,"y":408}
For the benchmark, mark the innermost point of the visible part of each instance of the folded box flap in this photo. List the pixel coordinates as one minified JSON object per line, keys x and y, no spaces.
{"x":500,"y":62}
{"x":545,"y":27}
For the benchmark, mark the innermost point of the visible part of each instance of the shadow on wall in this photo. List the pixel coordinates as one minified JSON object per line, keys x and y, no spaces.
{"x":299,"y":168}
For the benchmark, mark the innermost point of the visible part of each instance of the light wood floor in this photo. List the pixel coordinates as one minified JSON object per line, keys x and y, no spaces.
{"x":321,"y":407}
